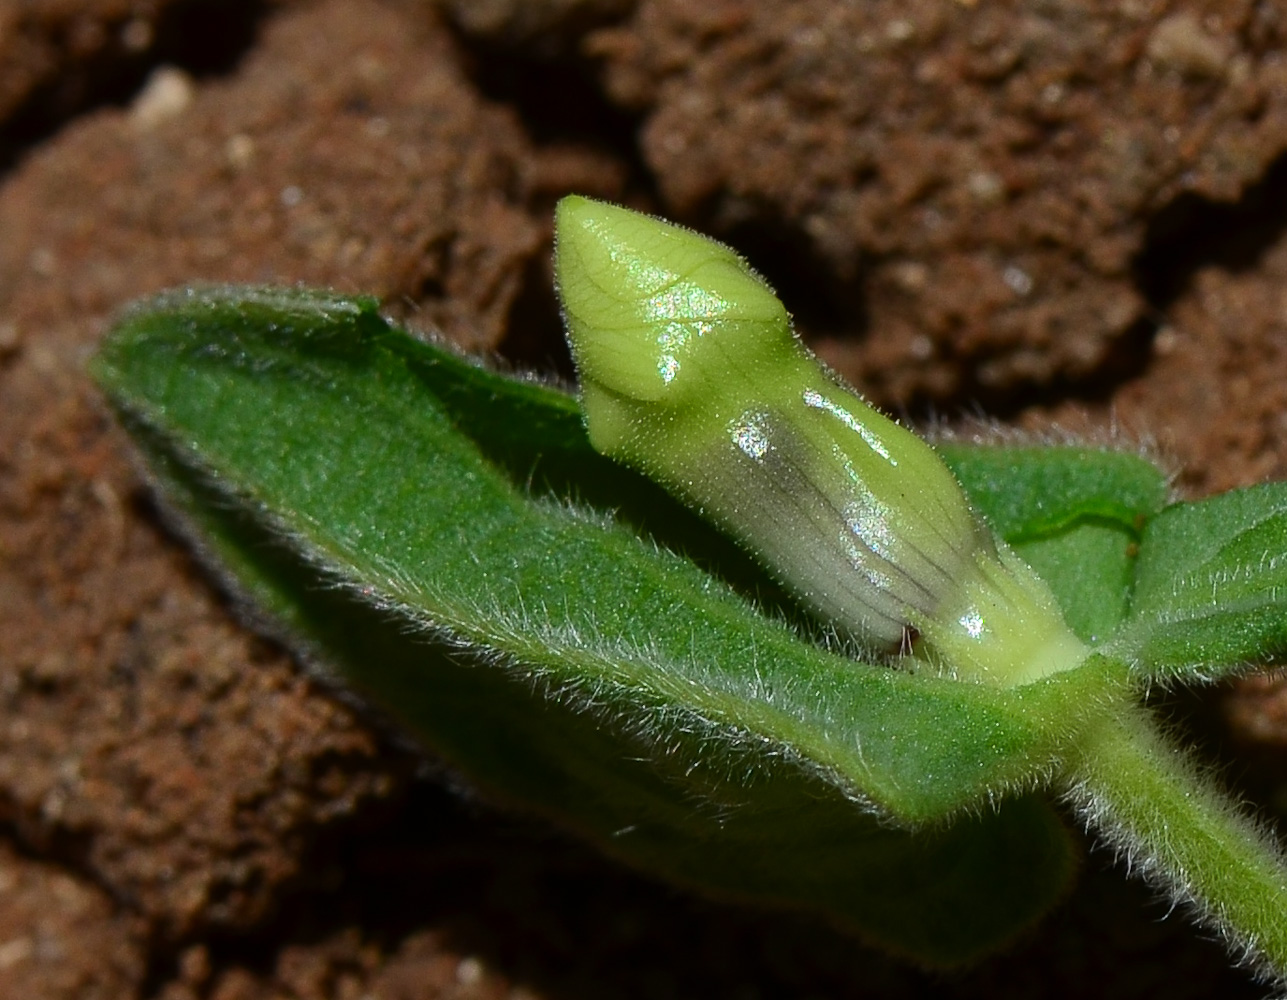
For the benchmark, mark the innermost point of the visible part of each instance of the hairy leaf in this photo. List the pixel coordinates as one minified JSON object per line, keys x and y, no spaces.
{"x":402,"y":517}
{"x":1211,"y":587}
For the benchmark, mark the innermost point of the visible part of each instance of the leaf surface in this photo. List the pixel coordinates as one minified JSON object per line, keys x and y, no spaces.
{"x":1210,"y":593}
{"x":442,"y":539}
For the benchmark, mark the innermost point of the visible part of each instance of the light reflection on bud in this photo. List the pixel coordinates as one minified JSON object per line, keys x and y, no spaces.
{"x":690,"y":373}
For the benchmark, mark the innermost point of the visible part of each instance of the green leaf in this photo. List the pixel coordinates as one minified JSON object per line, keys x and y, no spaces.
{"x":724,"y":820}
{"x":1028,"y":492}
{"x":369,"y":491}
{"x":1211,"y":587}
{"x":1091,"y":569}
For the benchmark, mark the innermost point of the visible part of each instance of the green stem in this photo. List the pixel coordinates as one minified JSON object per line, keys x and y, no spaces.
{"x":1147,"y":798}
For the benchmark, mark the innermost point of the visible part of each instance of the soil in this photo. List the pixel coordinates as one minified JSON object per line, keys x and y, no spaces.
{"x":1065,"y":215}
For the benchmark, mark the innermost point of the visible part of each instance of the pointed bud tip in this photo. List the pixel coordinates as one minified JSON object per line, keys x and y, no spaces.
{"x":643,"y":299}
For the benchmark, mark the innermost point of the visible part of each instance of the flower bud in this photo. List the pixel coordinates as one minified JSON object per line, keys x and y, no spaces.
{"x":690,"y":373}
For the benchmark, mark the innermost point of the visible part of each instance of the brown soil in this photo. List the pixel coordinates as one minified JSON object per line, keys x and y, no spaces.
{"x":1065,"y":214}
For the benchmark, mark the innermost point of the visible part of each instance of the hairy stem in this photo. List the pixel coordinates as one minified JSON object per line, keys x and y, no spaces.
{"x":1146,"y":797}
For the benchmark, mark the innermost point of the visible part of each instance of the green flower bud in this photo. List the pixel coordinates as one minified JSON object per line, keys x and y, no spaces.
{"x":691,"y":374}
